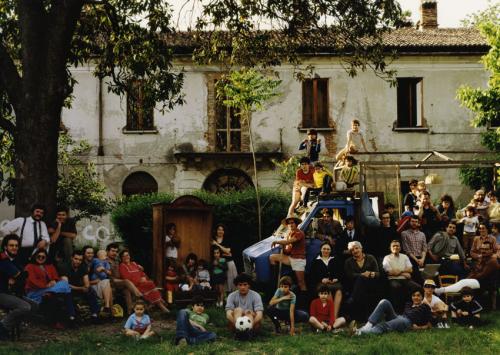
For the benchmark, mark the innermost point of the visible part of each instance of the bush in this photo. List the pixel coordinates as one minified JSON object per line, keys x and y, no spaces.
{"x":132,"y":218}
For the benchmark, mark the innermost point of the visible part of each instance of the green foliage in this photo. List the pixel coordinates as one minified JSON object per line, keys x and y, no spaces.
{"x":287,"y":168}
{"x":247,"y":90}
{"x":353,"y":28}
{"x":485,"y":103}
{"x":79,"y":187}
{"x":476,"y":178}
{"x":132,"y":218}
{"x":490,"y":14}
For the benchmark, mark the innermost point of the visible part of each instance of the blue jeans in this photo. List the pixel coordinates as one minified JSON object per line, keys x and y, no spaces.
{"x":393,"y":322}
{"x":284,"y":315}
{"x":187,"y":331}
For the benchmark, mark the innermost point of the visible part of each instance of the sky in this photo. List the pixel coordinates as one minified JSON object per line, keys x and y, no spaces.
{"x":450,"y":12}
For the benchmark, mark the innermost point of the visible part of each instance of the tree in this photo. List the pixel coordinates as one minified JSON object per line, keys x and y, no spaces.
{"x":485,"y":103}
{"x":40,"y":40}
{"x":128,"y":40}
{"x":247,"y":90}
{"x":353,"y":28}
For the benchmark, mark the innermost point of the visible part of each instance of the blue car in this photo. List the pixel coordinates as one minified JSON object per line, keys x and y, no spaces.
{"x":256,"y":257}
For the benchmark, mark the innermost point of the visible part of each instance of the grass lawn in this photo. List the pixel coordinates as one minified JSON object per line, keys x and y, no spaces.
{"x":457,"y":340}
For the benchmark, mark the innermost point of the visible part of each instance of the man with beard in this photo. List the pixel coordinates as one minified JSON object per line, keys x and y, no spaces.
{"x":32,"y":233}
{"x":10,"y":274}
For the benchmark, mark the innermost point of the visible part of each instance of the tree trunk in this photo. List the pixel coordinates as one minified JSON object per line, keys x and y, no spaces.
{"x":36,"y":143}
{"x":257,"y":196}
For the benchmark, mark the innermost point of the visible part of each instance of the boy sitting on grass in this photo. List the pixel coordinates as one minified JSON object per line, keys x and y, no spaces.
{"x":282,"y":307}
{"x":138,"y":325}
{"x":438,"y":307}
{"x":191,"y":324}
{"x":467,"y":311}
{"x":322,"y":312}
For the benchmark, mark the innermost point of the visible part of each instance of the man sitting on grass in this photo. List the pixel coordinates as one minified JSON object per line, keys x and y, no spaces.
{"x":244,"y":302}
{"x":417,"y":316}
{"x":282,"y":307}
{"x":191,"y":324}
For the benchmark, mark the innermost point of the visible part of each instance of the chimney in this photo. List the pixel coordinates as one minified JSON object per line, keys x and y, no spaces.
{"x":428,"y":14}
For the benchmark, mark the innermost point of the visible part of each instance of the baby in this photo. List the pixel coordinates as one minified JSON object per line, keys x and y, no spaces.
{"x":203,"y":275}
{"x":100,"y":266}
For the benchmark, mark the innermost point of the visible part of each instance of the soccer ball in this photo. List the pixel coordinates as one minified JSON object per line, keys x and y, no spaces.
{"x":340,"y":186}
{"x":243,"y":324}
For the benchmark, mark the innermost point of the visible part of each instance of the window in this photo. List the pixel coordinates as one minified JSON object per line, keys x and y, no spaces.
{"x":410,"y":106}
{"x":139,"y":115}
{"x":315,"y":103}
{"x":227,"y":180}
{"x":227,"y":129}
{"x":139,"y":183}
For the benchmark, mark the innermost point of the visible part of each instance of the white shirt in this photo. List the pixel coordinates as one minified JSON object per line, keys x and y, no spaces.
{"x":15,"y":226}
{"x":392,"y":262}
{"x":170,"y":252}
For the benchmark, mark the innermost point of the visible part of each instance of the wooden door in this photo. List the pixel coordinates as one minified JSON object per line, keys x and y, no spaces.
{"x":193,"y":220}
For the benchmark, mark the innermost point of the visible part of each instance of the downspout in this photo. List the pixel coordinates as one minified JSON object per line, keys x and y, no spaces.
{"x":100,"y":148}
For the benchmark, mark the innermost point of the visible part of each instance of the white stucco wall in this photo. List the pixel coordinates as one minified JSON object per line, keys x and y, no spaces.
{"x":365,"y":97}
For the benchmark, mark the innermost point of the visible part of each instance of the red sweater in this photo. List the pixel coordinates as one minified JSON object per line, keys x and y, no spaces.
{"x":309,"y":177}
{"x":323,"y":313}
{"x":38,"y":278}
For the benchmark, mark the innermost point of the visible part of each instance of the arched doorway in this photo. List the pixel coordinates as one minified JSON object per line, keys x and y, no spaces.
{"x":227,"y":180}
{"x":139,"y":183}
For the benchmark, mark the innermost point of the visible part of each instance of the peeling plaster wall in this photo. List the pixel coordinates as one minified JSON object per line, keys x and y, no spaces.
{"x":365,"y":97}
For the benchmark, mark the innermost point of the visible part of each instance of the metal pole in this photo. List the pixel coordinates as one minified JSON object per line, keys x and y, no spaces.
{"x":398,"y":182}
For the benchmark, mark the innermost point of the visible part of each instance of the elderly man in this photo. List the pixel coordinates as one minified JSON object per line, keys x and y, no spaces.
{"x":415,"y":246}
{"x":244,"y":302}
{"x":441,"y":248}
{"x":32,"y":233}
{"x":398,"y":268}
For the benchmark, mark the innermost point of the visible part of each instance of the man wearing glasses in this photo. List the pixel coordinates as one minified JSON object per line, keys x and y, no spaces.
{"x":10,"y":274}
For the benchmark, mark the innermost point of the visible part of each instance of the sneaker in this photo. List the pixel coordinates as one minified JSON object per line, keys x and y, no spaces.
{"x":366,"y":327}
{"x":446,"y":325}
{"x":471,"y":327}
{"x":440,"y":325}
{"x":182,"y":342}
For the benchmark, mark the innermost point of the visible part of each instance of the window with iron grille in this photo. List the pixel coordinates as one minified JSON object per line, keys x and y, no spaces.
{"x":139,"y":183}
{"x":139,"y":114}
{"x":315,"y":111}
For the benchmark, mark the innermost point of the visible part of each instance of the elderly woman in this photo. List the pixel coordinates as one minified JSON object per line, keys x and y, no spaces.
{"x":325,"y":271}
{"x":43,"y":280}
{"x":218,"y":241}
{"x":361,"y":274}
{"x":134,"y":272}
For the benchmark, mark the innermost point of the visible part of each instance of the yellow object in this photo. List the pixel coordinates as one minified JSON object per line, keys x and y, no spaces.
{"x":117,"y":311}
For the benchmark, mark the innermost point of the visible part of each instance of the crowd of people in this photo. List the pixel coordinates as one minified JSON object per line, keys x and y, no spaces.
{"x":386,"y":277}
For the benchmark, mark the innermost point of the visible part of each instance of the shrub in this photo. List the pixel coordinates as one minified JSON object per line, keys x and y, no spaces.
{"x":132,"y":218}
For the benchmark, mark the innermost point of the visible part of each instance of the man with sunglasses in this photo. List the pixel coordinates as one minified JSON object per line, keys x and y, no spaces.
{"x":10,"y":274}
{"x":191,"y":324}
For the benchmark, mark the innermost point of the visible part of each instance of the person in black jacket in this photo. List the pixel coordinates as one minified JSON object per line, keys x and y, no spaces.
{"x":325,"y":270}
{"x":349,"y":234}
{"x":379,"y":241}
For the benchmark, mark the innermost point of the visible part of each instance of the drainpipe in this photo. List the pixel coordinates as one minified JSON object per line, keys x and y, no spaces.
{"x":100,"y":148}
